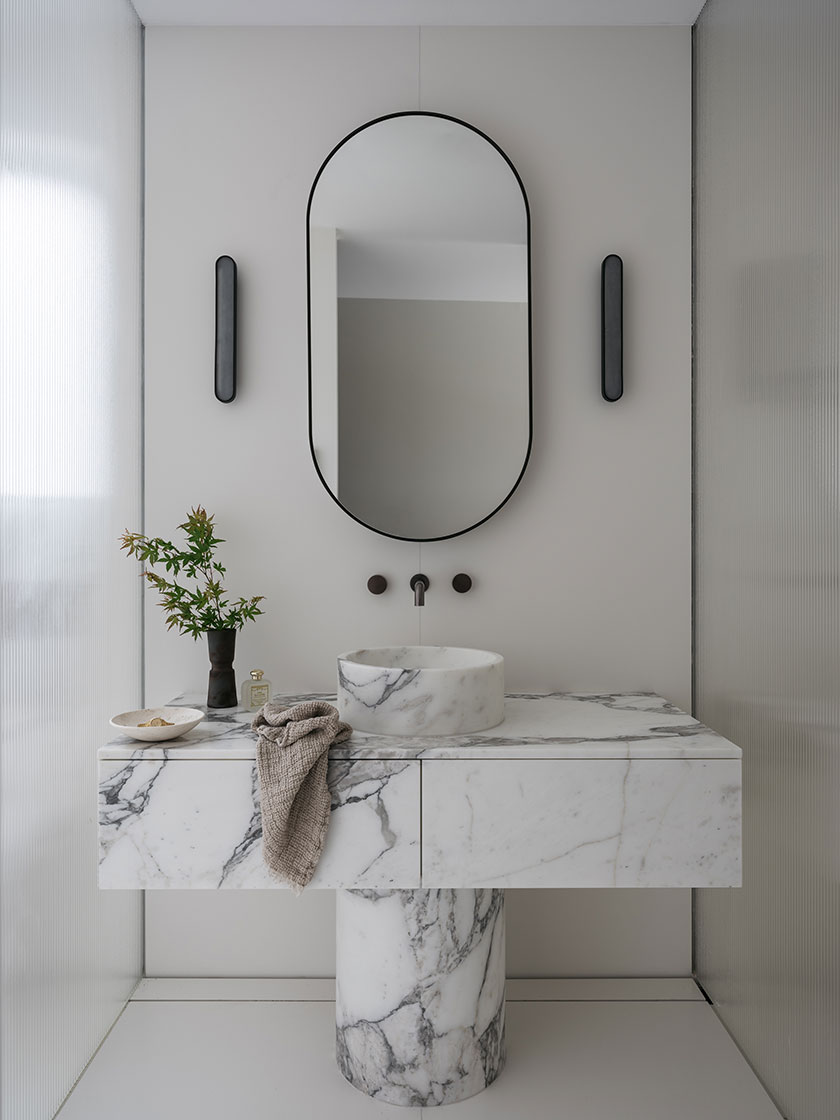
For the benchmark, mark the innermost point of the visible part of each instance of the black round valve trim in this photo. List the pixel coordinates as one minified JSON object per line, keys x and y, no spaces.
{"x":462,"y":583}
{"x":377,"y":584}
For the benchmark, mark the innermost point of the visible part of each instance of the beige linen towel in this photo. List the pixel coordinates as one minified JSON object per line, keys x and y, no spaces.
{"x":292,"y":748}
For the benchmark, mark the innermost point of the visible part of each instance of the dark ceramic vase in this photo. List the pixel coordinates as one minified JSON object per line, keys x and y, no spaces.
{"x":221,"y":688}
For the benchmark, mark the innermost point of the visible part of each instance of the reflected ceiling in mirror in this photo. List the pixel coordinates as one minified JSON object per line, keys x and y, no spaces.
{"x":418,"y":242}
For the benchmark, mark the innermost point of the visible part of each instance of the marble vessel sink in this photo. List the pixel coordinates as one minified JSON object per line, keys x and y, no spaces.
{"x":421,"y":690}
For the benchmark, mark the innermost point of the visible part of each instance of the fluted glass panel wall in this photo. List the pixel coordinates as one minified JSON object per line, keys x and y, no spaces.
{"x":70,"y":462}
{"x":767,"y":87}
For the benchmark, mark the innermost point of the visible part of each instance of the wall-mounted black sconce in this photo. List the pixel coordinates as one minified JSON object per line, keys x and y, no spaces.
{"x":612,"y":328}
{"x":225,"y":375}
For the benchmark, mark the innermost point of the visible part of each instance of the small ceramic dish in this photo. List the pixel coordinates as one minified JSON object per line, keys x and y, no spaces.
{"x":182,"y":720}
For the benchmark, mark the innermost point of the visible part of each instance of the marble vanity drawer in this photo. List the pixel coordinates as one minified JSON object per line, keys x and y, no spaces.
{"x":173,"y":823}
{"x":646,"y":822}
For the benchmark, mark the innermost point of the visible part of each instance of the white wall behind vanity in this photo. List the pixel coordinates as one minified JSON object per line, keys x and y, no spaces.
{"x":583,"y":580}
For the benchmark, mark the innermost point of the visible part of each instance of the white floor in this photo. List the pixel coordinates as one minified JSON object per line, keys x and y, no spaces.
{"x":577,"y":1050}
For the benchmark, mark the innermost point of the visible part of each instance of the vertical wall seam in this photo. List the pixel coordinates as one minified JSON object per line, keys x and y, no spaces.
{"x":142,"y":419}
{"x":142,"y":350}
{"x":693,"y":530}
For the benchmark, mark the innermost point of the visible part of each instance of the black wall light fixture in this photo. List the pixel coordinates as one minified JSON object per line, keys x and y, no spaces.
{"x":225,"y":375}
{"x":612,"y":328}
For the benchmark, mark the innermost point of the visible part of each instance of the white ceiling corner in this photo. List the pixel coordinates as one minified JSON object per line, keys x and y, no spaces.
{"x":413,"y":13}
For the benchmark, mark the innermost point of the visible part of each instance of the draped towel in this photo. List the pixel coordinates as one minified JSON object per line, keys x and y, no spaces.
{"x":292,"y":750}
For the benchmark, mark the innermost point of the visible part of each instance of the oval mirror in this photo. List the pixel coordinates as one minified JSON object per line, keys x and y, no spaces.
{"x":418,"y":250}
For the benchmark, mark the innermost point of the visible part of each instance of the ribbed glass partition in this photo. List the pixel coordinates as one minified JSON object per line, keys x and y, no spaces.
{"x":70,"y":480}
{"x":767,"y":104}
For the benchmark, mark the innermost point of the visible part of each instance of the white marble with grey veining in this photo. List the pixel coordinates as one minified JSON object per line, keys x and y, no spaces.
{"x":582,"y":823}
{"x":165,"y":823}
{"x":536,"y":725}
{"x":421,"y":690}
{"x":420,"y":980}
{"x":593,"y":790}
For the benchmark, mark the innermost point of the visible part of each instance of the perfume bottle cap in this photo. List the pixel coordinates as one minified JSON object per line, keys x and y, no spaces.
{"x":256,"y":674}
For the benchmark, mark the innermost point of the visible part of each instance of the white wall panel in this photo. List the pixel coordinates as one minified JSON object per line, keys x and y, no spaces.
{"x":598,"y":124}
{"x":768,"y":524}
{"x":70,"y":479}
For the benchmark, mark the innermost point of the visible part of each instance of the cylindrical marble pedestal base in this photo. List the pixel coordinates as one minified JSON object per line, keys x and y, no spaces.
{"x":420,"y":993}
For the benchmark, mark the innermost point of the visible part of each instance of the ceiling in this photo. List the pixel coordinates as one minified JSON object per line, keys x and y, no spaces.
{"x":414,"y":13}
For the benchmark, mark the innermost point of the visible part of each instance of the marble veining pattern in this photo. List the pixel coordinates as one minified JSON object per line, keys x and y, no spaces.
{"x":593,"y":790}
{"x":585,"y":823}
{"x":170,"y":824}
{"x":420,"y":979}
{"x":395,"y":698}
{"x":552,"y":725}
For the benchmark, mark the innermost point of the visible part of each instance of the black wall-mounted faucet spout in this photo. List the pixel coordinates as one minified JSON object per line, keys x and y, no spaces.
{"x":419,"y":585}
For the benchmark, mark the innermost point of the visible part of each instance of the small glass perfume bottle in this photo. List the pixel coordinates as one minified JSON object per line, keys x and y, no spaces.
{"x":255,"y":691}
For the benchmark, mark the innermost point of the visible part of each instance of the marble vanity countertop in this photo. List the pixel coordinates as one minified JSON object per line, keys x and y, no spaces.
{"x":536,"y":726}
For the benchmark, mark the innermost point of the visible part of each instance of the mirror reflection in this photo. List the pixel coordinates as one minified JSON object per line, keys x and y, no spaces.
{"x":420,"y":409}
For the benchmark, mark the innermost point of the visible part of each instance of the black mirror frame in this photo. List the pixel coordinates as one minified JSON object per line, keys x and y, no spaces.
{"x":506,"y":499}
